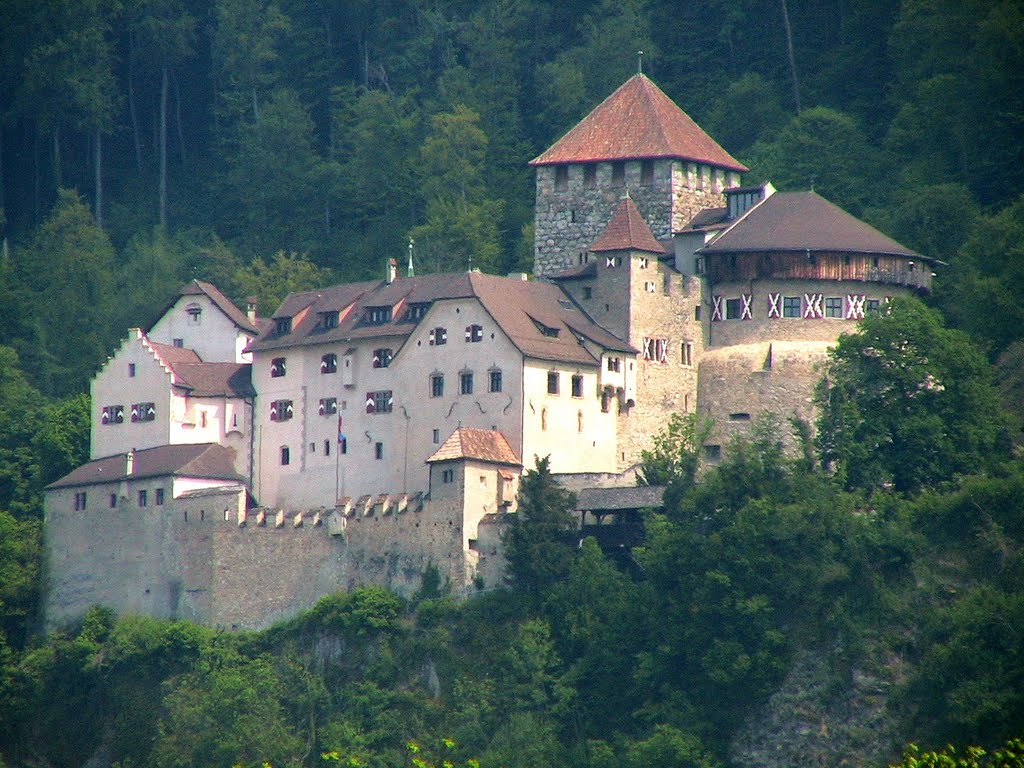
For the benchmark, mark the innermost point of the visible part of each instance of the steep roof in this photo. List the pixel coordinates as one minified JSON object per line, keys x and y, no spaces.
{"x":480,"y":444}
{"x":222,"y":302}
{"x":803,"y":221}
{"x":215,"y":379}
{"x":627,"y":231}
{"x":208,"y":461}
{"x":538,"y":317}
{"x":637,"y":122}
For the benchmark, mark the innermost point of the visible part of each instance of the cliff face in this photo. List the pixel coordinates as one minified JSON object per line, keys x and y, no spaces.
{"x":825,"y":713}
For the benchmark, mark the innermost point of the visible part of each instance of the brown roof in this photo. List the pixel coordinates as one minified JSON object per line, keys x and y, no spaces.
{"x":215,"y":379}
{"x":521,"y":309}
{"x":481,"y":444}
{"x":708,"y":218}
{"x":627,"y":231}
{"x":172,"y":355}
{"x":803,"y":221}
{"x":208,"y":461}
{"x":638,"y":121}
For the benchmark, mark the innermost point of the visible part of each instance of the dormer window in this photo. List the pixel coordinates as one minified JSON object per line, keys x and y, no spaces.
{"x":282,"y":325}
{"x":194,"y":312}
{"x":546,"y":330}
{"x":378,"y":315}
{"x":416,"y":312}
{"x":329,"y":320}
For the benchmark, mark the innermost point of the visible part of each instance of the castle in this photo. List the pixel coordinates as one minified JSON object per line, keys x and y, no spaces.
{"x":243,"y":467}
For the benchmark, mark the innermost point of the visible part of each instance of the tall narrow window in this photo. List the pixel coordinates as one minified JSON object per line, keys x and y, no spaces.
{"x":618,"y":174}
{"x":159,"y":500}
{"x":589,"y":175}
{"x":131,"y":370}
{"x":577,"y":385}
{"x":466,"y":383}
{"x":143,"y":498}
{"x":286,"y":456}
{"x":329,"y":363}
{"x":378,"y":451}
{"x":277,"y":367}
{"x":561,"y":178}
{"x":494,"y":380}
{"x":552,"y":382}
{"x":437,"y":385}
{"x":647,"y":172}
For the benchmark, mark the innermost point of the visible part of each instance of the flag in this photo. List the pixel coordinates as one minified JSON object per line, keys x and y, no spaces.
{"x":341,"y":431}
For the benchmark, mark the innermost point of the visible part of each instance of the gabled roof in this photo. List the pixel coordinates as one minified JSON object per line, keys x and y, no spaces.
{"x":637,"y":122}
{"x":803,"y":221}
{"x":215,"y":379}
{"x":207,"y":461}
{"x":223,"y":303}
{"x":627,"y":231}
{"x":480,"y":444}
{"x":521,"y":309}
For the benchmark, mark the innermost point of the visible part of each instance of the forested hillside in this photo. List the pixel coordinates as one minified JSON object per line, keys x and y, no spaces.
{"x":873,"y":590}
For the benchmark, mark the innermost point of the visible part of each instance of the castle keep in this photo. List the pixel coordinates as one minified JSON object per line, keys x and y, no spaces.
{"x":242,"y":467}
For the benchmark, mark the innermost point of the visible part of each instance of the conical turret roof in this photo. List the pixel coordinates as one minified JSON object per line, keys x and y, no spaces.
{"x":637,"y":122}
{"x":627,"y":231}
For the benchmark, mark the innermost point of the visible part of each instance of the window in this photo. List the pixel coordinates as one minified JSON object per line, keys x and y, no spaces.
{"x":589,"y":176}
{"x":343,"y":445}
{"x":577,"y":385}
{"x":448,"y":476}
{"x":615,"y":364}
{"x":416,"y":312}
{"x":474,"y":333}
{"x":552,"y":382}
{"x":466,"y":383}
{"x":606,"y":400}
{"x":282,"y":325}
{"x":438,"y":336}
{"x":327,"y":447}
{"x":647,"y":172}
{"x":588,"y":293}
{"x":112,"y":414}
{"x":696,"y":312}
{"x":579,"y":421}
{"x":611,"y":262}
{"x":437,"y":436}
{"x":686,"y":354}
{"x":143,"y":412}
{"x":131,"y":370}
{"x":329,"y":320}
{"x":618,"y":174}
{"x":286,"y":456}
{"x":650,"y":286}
{"x":437,"y":385}
{"x":712,"y":453}
{"x":143,"y":498}
{"x":178,"y":342}
{"x":546,"y":330}
{"x":329,"y":363}
{"x":833,"y":306}
{"x":655,"y":350}
{"x":791,"y":306}
{"x":739,"y":417}
{"x":277,"y":368}
{"x":159,"y":497}
{"x":113,"y":500}
{"x":732,"y":309}
{"x":80,"y":500}
{"x":328,"y":406}
{"x":378,"y":315}
{"x":643,"y":262}
{"x":494,"y":380}
{"x":872,"y":307}
{"x":380,"y":401}
{"x":382,"y":358}
{"x":378,"y":451}
{"x":281,"y":410}
{"x":561,"y":178}
{"x":202,"y":419}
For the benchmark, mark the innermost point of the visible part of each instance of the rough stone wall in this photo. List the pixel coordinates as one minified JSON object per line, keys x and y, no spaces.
{"x":568,"y":221}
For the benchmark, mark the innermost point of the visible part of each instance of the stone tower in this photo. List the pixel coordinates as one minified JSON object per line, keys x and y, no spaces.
{"x":636,"y":141}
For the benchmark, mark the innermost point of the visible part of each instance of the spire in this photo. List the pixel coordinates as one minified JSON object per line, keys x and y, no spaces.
{"x":627,"y":231}
{"x":410,"y":271}
{"x":639,"y":62}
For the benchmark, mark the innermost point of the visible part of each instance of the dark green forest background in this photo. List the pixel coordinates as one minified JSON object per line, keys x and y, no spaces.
{"x":276,"y":146}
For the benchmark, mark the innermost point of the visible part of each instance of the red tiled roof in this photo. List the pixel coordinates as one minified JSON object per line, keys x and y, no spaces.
{"x":172,"y":355}
{"x":627,"y":231}
{"x":208,"y":461}
{"x":638,"y":121}
{"x":215,"y":379}
{"x":481,"y":444}
{"x":803,"y":221}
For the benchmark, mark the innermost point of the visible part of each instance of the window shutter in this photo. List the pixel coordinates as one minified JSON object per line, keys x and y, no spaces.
{"x":135,"y":413}
{"x":371,"y":403}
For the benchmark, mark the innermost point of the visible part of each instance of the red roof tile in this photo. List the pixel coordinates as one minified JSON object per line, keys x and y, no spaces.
{"x":627,"y":231}
{"x":172,"y":355}
{"x":637,"y":122}
{"x":481,"y":444}
{"x":803,"y":221}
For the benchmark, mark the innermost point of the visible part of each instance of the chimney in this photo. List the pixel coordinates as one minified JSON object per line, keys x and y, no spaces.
{"x":129,"y":462}
{"x":392,"y":271}
{"x":250,"y":309}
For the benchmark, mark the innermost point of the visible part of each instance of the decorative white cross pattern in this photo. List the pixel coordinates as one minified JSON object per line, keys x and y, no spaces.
{"x":661,"y":350}
{"x":814,"y":305}
{"x":855,"y":306}
{"x":775,"y":305}
{"x":745,"y":312}
{"x":716,"y":307}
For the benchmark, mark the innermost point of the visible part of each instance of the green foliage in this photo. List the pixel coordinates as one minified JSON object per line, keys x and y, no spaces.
{"x":368,"y":610}
{"x":674,"y":458}
{"x":1010,"y":756}
{"x":20,"y":555}
{"x":270,"y":282}
{"x":538,"y":548}
{"x":908,"y":402}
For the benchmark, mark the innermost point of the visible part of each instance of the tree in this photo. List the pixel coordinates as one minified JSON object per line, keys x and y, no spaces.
{"x":539,"y":549}
{"x":675,"y":456}
{"x":271,"y":281}
{"x":906,"y":401}
{"x":1010,"y":756}
{"x":20,"y":405}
